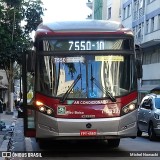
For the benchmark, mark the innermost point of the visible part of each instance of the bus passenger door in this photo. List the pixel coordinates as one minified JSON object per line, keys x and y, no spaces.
{"x":28,"y":95}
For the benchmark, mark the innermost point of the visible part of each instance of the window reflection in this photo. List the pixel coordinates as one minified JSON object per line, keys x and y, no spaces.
{"x":115,"y":74}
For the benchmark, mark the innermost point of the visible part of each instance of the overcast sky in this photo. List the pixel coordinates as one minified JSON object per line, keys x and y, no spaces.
{"x":65,"y":10}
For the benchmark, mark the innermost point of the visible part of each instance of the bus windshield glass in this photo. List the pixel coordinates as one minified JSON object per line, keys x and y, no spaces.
{"x":87,"y":76}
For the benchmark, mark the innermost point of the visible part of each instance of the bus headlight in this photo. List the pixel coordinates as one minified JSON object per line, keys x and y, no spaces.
{"x":129,"y":108}
{"x":49,"y":111}
{"x":125,"y":109}
{"x":44,"y":108}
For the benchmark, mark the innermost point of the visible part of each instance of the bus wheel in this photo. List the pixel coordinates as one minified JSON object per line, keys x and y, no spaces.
{"x":113,"y":142}
{"x":151,"y":133}
{"x":42,"y":143}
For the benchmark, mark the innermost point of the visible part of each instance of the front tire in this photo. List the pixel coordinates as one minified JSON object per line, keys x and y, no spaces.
{"x":151,"y":133}
{"x":42,"y":143}
{"x":139,"y":133}
{"x":113,"y":143}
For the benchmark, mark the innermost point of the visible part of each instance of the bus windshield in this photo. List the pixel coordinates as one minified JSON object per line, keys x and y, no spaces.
{"x":95,"y":75}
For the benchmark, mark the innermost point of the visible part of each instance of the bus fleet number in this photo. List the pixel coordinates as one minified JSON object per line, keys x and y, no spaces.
{"x":86,"y":45}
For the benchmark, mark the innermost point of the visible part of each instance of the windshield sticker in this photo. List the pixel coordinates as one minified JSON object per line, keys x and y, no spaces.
{"x":109,"y":58}
{"x":92,"y":95}
{"x":69,"y":59}
{"x":74,"y":59}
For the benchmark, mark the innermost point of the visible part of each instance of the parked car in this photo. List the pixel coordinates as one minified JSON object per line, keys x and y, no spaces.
{"x":149,"y":116}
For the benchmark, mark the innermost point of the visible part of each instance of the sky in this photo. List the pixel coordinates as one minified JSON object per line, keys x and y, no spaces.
{"x":58,"y":10}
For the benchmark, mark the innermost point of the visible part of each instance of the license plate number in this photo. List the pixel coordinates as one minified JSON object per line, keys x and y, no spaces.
{"x":88,"y":132}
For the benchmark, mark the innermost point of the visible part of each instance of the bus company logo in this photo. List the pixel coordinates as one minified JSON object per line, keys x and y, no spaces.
{"x":61,"y":110}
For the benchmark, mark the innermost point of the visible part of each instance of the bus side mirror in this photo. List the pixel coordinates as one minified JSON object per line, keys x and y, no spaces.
{"x":31,"y":62}
{"x":139,"y":68}
{"x":139,"y":53}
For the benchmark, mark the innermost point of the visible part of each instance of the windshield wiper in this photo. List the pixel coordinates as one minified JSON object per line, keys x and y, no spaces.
{"x":113,"y":99}
{"x":63,"y":98}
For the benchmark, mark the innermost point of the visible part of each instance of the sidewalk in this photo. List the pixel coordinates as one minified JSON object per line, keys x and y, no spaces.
{"x":9,"y":121}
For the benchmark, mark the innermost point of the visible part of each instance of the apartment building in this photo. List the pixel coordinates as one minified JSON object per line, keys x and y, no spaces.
{"x":105,"y":9}
{"x":143,"y":16}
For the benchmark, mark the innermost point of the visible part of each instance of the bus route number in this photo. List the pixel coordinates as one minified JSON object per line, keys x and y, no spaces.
{"x":86,"y":45}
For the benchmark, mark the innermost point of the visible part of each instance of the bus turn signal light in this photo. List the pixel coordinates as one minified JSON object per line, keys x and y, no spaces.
{"x":38,"y":103}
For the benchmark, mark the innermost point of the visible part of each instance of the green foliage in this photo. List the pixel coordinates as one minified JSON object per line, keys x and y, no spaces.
{"x":33,"y":9}
{"x":18,"y":18}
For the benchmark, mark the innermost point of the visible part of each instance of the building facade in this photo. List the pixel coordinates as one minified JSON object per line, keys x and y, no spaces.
{"x":105,"y":9}
{"x":143,"y":16}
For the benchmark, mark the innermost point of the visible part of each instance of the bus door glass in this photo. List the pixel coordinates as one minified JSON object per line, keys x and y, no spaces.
{"x":28,"y":96}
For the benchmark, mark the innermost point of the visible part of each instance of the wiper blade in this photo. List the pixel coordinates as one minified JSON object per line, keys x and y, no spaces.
{"x":113,"y":99}
{"x":70,"y":88}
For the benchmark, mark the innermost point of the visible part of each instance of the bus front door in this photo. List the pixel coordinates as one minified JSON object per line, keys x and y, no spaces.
{"x":28,"y":95}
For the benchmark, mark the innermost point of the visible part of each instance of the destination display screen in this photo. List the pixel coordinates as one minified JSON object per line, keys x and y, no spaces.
{"x":87,"y":45}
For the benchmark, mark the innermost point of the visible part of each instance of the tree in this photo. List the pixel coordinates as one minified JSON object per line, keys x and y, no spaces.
{"x":18,"y":18}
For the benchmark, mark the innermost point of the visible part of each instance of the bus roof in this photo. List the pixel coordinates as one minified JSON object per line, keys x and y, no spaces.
{"x":80,"y":26}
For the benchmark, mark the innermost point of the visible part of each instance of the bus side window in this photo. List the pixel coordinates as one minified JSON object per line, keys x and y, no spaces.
{"x":40,"y":45}
{"x":126,"y":44}
{"x":31,"y":62}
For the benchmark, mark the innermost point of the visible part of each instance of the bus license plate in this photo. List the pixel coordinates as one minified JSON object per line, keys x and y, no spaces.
{"x":88,"y":132}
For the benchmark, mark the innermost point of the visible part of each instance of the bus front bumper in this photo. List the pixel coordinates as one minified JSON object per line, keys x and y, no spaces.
{"x":105,"y":128}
